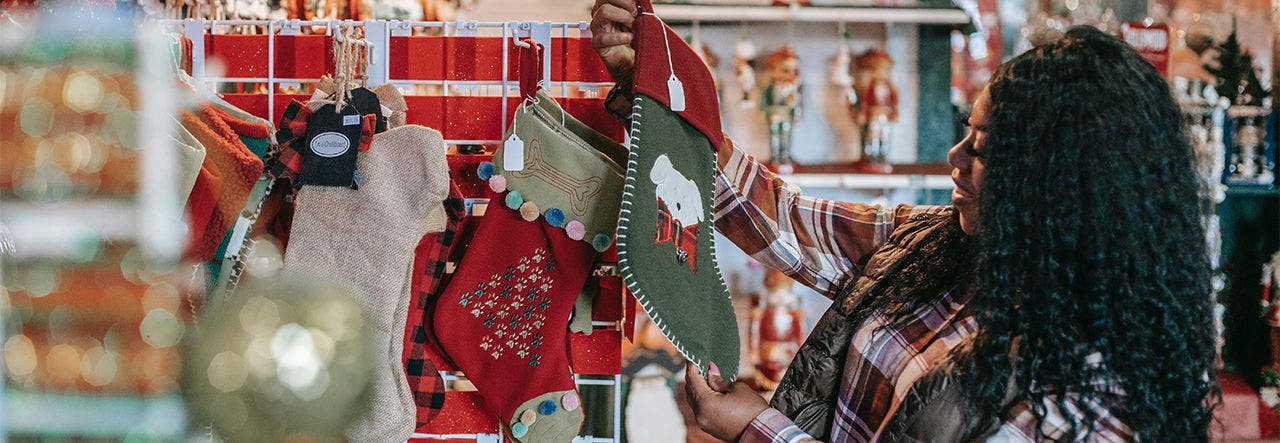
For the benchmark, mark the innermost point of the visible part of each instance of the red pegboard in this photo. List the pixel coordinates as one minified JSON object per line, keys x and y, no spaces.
{"x":431,"y":58}
{"x":296,"y":56}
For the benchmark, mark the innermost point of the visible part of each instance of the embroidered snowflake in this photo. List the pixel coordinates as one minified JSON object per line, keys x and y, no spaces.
{"x":513,"y":306}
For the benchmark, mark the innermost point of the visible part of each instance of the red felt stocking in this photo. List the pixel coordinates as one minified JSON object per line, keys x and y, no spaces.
{"x":503,"y":319}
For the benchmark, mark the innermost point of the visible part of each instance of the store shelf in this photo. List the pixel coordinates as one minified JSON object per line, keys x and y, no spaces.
{"x":864,"y":14}
{"x":871,"y":181}
{"x":1252,"y":191}
{"x":103,"y":417}
{"x":919,"y":176}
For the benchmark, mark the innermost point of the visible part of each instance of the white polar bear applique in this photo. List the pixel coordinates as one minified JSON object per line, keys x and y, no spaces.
{"x":679,"y":211}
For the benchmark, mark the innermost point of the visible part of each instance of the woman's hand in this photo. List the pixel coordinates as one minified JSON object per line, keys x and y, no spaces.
{"x":611,"y":22}
{"x":722,"y":409}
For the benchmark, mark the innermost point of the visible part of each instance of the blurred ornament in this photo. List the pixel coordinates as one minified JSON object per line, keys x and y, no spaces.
{"x":877,"y":108}
{"x":744,"y":70}
{"x":265,"y":259}
{"x":781,"y":102}
{"x":1199,"y":36}
{"x":283,"y":360}
{"x":409,"y":10}
{"x":776,"y":334}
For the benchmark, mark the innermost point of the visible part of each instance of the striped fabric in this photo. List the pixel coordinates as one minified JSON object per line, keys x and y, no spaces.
{"x":823,"y":244}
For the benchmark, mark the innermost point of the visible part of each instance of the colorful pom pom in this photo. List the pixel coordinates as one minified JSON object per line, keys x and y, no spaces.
{"x":547,"y":407}
{"x":514,"y":199}
{"x":601,"y":242}
{"x":555,"y":217}
{"x":519,"y":430}
{"x":528,"y":417}
{"x":498,"y":183}
{"x":575,"y":229}
{"x":485,"y":170}
{"x":570,"y":401}
{"x":529,"y":211}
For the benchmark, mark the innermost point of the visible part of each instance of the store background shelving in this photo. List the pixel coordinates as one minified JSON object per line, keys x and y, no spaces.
{"x":682,"y":13}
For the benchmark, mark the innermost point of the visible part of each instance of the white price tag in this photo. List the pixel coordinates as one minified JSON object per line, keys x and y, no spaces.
{"x":513,"y":153}
{"x":675,"y":90}
{"x":237,"y":237}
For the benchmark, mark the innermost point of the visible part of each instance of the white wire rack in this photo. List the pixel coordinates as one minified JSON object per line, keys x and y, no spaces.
{"x":379,"y":33}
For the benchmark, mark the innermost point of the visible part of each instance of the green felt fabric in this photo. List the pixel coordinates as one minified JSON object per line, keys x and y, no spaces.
{"x":567,"y":166}
{"x":690,"y":306}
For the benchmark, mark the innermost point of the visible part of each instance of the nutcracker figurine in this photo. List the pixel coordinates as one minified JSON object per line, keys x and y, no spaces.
{"x":744,"y":71}
{"x":776,"y":335}
{"x":781,"y":102}
{"x":877,"y":106}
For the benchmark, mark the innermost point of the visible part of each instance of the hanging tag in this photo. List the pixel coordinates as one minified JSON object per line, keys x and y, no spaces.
{"x":675,"y":90}
{"x":513,"y":153}
{"x":331,"y":147}
{"x":237,"y":237}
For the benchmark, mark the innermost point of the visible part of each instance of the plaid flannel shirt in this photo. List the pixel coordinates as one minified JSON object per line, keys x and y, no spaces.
{"x":823,"y":244}
{"x":430,"y":259}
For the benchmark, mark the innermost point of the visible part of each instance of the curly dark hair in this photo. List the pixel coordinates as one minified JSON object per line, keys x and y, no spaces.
{"x":1090,"y":244}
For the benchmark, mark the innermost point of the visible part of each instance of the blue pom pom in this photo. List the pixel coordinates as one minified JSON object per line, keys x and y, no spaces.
{"x":547,"y":407}
{"x":514,"y":199}
{"x":519,"y":430}
{"x":485,"y":170}
{"x":555,"y":217}
{"x":601,"y":242}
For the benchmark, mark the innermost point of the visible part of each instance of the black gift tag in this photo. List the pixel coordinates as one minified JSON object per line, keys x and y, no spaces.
{"x":331,"y":146}
{"x":366,"y":102}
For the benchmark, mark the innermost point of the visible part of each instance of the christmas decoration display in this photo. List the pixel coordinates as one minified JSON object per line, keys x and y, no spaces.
{"x":666,"y":252}
{"x":776,"y":333}
{"x":367,"y":236}
{"x":504,"y":316}
{"x":559,"y":183}
{"x":781,"y":102}
{"x":1237,"y":80}
{"x":564,"y":169}
{"x":877,"y":106}
{"x":744,"y":70}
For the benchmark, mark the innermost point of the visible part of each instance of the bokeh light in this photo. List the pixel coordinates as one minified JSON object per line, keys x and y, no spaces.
{"x":19,"y":356}
{"x":83,"y":92}
{"x":161,"y":329}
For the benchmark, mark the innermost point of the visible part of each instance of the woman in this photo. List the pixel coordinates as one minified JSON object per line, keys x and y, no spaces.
{"x":1063,"y":296}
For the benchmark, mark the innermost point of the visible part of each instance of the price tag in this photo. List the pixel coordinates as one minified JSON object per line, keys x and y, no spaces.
{"x":513,"y":153}
{"x":237,"y":237}
{"x":675,"y":90}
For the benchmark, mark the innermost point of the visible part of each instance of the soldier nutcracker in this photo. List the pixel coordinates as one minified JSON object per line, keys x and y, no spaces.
{"x":877,"y":106}
{"x":781,"y":102}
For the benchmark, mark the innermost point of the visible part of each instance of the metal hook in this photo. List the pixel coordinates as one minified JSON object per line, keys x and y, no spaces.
{"x":515,"y":38}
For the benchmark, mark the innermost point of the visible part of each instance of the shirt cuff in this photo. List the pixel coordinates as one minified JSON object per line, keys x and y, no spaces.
{"x":771,"y":426}
{"x":619,"y":101}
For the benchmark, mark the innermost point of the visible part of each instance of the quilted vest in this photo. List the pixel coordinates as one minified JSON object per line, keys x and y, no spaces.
{"x":910,"y":260}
